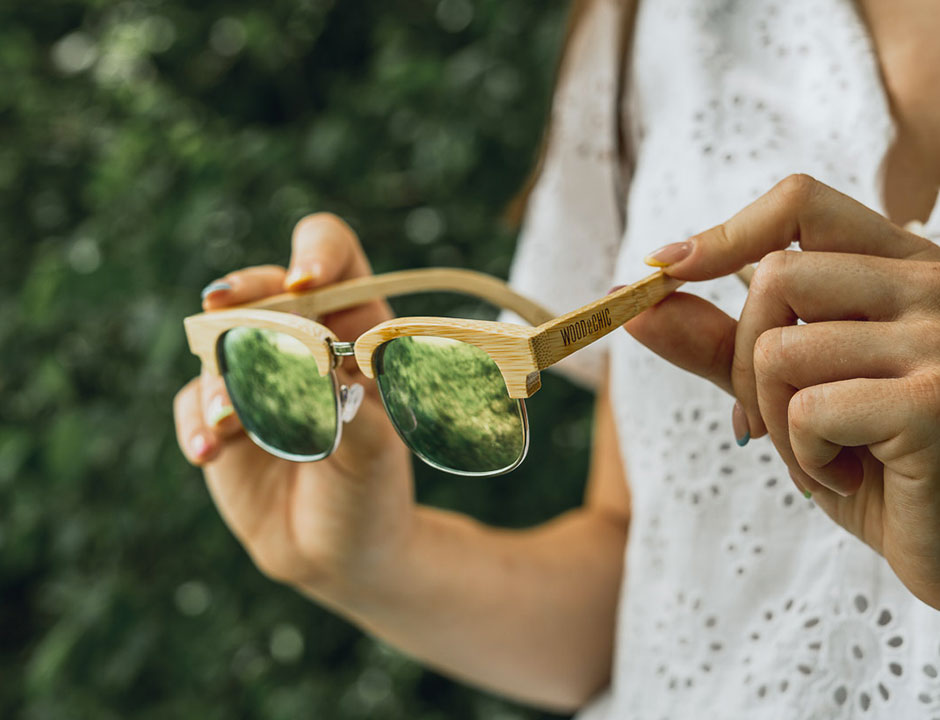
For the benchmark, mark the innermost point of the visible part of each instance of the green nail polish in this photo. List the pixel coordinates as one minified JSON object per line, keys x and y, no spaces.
{"x":743,"y":440}
{"x":218,"y":411}
{"x":807,"y":494}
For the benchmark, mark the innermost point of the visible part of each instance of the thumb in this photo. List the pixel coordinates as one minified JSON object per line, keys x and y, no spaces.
{"x":692,"y":334}
{"x":324,"y":250}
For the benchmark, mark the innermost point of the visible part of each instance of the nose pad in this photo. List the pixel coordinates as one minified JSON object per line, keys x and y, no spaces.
{"x":350,"y":398}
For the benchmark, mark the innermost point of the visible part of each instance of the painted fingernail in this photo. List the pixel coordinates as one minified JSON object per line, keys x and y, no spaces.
{"x":302,"y":279}
{"x":200,"y":446}
{"x":615,"y":288}
{"x":216,"y":286}
{"x":742,"y":431}
{"x":218,"y":410}
{"x":801,"y":484}
{"x":669,"y":254}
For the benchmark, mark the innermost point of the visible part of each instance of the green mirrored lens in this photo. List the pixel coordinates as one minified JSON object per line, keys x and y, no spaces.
{"x":280,"y":397}
{"x":449,"y":402}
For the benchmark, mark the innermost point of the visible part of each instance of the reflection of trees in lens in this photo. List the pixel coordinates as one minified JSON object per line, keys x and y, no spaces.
{"x":278,"y":392}
{"x":463,"y":417}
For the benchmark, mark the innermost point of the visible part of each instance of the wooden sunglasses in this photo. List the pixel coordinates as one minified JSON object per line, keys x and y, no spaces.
{"x":519,"y":352}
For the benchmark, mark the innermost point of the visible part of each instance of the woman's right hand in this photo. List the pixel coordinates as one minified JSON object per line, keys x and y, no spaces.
{"x":322,"y":526}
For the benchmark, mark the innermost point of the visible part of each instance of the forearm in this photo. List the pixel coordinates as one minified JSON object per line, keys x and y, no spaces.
{"x":529,"y":614}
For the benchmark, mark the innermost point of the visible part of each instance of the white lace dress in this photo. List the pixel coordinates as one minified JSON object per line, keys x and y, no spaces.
{"x":741,"y":599}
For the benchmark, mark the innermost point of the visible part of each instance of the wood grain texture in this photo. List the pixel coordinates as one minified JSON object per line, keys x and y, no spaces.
{"x":519,"y":352}
{"x":204,"y":330}
{"x":510,"y":346}
{"x":564,"y":335}
{"x":320,"y":301}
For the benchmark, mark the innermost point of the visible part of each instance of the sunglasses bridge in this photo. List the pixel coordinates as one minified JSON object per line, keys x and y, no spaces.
{"x":341,"y":349}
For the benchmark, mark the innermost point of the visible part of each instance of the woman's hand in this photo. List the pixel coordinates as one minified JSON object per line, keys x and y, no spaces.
{"x":851,"y":398}
{"x":316,"y":525}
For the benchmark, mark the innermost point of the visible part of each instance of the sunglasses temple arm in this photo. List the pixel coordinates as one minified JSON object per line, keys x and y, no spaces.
{"x":350,"y":293}
{"x":558,"y":338}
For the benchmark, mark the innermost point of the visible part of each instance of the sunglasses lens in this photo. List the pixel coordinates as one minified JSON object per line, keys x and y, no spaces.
{"x":282,"y":401}
{"x":449,"y":403}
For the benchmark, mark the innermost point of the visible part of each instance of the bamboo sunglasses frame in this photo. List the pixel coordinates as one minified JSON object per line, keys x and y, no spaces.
{"x":520,"y":352}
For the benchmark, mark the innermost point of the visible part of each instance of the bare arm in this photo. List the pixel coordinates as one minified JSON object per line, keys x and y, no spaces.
{"x":526,"y":613}
{"x":529,"y":614}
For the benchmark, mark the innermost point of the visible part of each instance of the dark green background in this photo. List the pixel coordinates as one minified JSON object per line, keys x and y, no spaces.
{"x":147,"y":147}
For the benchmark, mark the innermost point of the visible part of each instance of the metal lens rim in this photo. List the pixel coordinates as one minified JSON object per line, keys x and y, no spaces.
{"x":283,"y":455}
{"x":377,"y":356}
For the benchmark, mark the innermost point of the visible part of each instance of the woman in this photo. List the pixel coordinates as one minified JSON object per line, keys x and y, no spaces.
{"x":737,"y":597}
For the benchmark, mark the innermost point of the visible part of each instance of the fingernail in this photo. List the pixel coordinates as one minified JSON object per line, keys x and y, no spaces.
{"x":669,"y":254}
{"x":200,"y":446}
{"x":216,"y":286}
{"x":298,"y":279}
{"x":801,"y":484}
{"x":218,"y":410}
{"x":615,"y":288}
{"x":742,"y":431}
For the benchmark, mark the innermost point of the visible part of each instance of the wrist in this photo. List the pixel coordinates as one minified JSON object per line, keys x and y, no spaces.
{"x":354,"y":581}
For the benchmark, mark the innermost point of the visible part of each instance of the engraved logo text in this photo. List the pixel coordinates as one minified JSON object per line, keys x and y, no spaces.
{"x":577,"y":330}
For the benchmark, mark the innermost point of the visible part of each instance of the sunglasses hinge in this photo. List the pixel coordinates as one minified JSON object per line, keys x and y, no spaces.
{"x":343,"y":348}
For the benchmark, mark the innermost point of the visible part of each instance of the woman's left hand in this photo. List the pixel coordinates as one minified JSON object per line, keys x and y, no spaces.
{"x":851,"y":398}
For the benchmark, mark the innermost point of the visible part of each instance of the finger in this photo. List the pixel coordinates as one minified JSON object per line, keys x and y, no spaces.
{"x":798,"y":209}
{"x":895,"y":417}
{"x":326,"y":250}
{"x":217,"y":409}
{"x":691,"y":333}
{"x":197,"y":441}
{"x":814,"y":287}
{"x":824,"y":419}
{"x":243,"y":286}
{"x":787,"y":359}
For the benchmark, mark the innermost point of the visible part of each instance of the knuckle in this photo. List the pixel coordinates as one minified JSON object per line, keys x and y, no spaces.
{"x":797,"y":189}
{"x":924,"y":392}
{"x":720,"y":237}
{"x":928,"y":274}
{"x":768,"y":352}
{"x":770,"y":272}
{"x":801,"y":409}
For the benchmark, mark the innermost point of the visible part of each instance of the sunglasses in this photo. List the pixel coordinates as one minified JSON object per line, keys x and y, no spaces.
{"x":454,"y":389}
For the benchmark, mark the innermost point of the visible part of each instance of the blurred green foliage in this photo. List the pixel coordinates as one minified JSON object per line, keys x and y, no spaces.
{"x":146,"y":147}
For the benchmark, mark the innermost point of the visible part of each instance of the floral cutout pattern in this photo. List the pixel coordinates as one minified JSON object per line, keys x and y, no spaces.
{"x":741,"y":598}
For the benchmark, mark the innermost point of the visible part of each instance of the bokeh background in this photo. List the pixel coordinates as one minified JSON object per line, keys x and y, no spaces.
{"x":147,"y":147}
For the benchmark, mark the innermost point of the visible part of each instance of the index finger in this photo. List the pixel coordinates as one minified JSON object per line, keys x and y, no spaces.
{"x":799,"y":209}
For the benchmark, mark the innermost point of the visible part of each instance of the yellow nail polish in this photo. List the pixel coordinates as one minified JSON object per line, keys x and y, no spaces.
{"x":669,"y":254}
{"x":218,"y":411}
{"x":298,"y":280}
